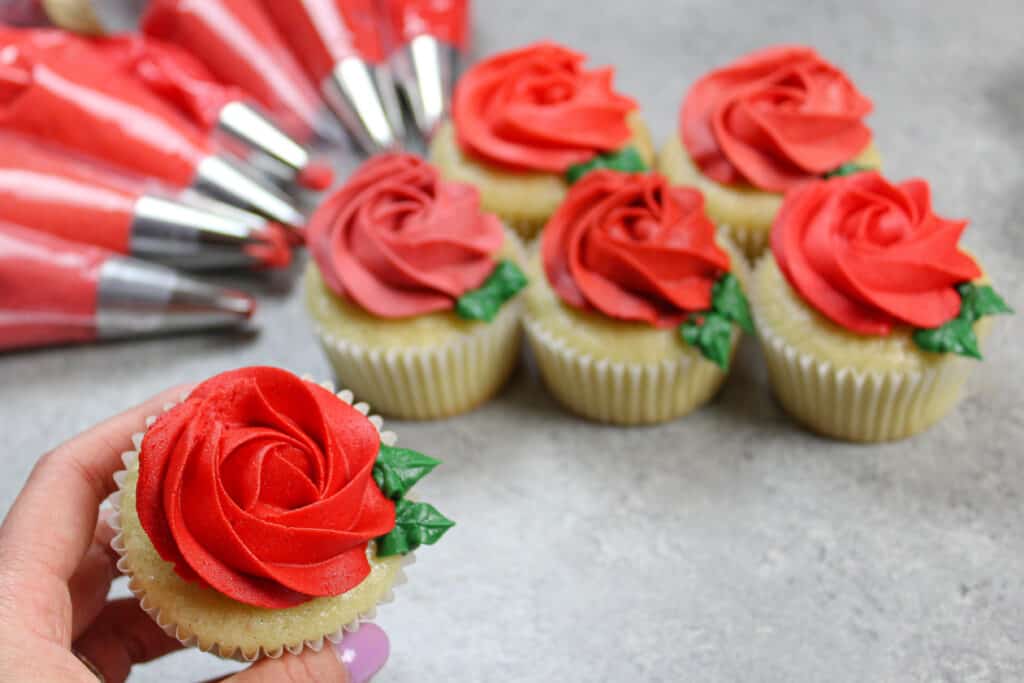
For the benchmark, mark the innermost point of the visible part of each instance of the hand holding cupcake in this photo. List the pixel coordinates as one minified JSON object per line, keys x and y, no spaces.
{"x":525,"y":122}
{"x":866,"y":306}
{"x":266,"y":513}
{"x":635,"y":306}
{"x":751,"y":131}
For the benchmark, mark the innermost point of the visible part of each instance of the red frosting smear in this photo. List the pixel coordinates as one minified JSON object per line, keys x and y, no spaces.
{"x":237,"y":41}
{"x":446,"y":20}
{"x":260,"y":486}
{"x":634,"y":248}
{"x":538,"y":109}
{"x":64,"y":310}
{"x":401,"y":242}
{"x":773,"y":119}
{"x":69,"y":96}
{"x":871,"y":255}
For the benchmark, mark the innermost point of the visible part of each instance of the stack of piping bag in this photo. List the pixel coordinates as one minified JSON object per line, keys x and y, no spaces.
{"x":69,"y":96}
{"x":46,"y":190}
{"x":57,"y":292}
{"x":340,"y":44}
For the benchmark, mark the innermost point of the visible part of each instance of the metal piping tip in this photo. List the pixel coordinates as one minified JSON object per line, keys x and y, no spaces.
{"x":226,"y":181}
{"x":351,"y":92}
{"x":425,"y":69}
{"x":278,"y":154}
{"x":193,"y":238}
{"x":137,"y":298}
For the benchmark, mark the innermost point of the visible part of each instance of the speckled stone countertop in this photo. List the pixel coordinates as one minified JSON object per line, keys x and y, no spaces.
{"x":730,"y":545}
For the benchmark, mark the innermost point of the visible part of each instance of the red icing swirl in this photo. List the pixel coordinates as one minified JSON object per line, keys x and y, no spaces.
{"x":537,"y":109}
{"x":260,"y":485}
{"x":773,"y":119}
{"x":401,"y":242}
{"x":633,"y":247}
{"x":871,"y":255}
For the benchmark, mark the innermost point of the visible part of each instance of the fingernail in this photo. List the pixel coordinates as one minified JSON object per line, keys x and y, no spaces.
{"x":364,"y":652}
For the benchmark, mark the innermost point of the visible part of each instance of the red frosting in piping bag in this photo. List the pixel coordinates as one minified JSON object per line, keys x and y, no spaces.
{"x":634,"y":248}
{"x":71,"y":97}
{"x":537,"y":109}
{"x":324,"y":32}
{"x":871,"y":255}
{"x":400,"y":242}
{"x":237,"y":41}
{"x":446,"y":20}
{"x":64,"y":310}
{"x":42,"y":190}
{"x":774,"y":118}
{"x":260,"y":485}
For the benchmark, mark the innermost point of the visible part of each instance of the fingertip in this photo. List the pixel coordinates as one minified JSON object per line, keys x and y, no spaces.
{"x":364,"y":652}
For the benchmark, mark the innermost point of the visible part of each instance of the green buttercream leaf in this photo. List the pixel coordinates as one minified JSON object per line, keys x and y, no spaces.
{"x":416,"y":524}
{"x":956,"y":336}
{"x":482,"y":303}
{"x":846,"y":169}
{"x":981,"y":300}
{"x":711,"y":333}
{"x":398,"y":469}
{"x":728,"y":299}
{"x":627,"y":159}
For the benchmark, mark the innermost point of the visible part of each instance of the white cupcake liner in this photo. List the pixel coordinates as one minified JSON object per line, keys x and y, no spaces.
{"x":130,"y":460}
{"x":752,"y":242}
{"x":619,"y":392}
{"x":427,"y":383}
{"x":855,"y":404}
{"x":430,"y":383}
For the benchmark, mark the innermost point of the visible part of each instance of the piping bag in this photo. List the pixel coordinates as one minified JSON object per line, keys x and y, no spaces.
{"x":46,"y":190}
{"x":72,"y":98}
{"x":425,"y":39}
{"x":240,"y":45}
{"x":339,"y":43}
{"x":58,"y":292}
{"x":179,"y":78}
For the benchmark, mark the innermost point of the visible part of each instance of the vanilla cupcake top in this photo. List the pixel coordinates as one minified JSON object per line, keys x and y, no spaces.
{"x":538,"y":109}
{"x":399,"y":241}
{"x":268,"y":489}
{"x":872,"y":256}
{"x":635,"y":248}
{"x":773,"y":119}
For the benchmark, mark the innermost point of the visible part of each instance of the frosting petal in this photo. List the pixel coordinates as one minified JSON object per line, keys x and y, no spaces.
{"x":634,"y":248}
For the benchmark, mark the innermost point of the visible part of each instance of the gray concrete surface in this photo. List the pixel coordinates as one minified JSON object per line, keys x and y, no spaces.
{"x":730,"y":545}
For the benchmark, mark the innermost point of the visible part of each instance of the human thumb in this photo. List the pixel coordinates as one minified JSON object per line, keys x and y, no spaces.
{"x":355,"y":659}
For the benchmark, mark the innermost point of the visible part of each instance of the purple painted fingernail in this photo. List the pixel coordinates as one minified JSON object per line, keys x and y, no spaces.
{"x":364,"y":652}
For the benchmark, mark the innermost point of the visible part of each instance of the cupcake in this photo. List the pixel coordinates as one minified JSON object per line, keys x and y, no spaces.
{"x":869,"y":312}
{"x":264,"y":513}
{"x":413,"y":290}
{"x":527,"y":123}
{"x":635,"y":306}
{"x":751,"y":131}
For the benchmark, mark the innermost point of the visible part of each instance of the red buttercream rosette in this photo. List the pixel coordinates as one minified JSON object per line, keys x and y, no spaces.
{"x":260,"y":486}
{"x":634,"y":248}
{"x":538,"y":109}
{"x":871,"y":255}
{"x":773,"y":119}
{"x":400,"y":242}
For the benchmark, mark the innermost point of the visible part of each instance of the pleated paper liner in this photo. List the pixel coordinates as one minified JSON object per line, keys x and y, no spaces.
{"x":201,"y":617}
{"x":855,"y":404}
{"x":621,"y":392}
{"x":430,"y":382}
